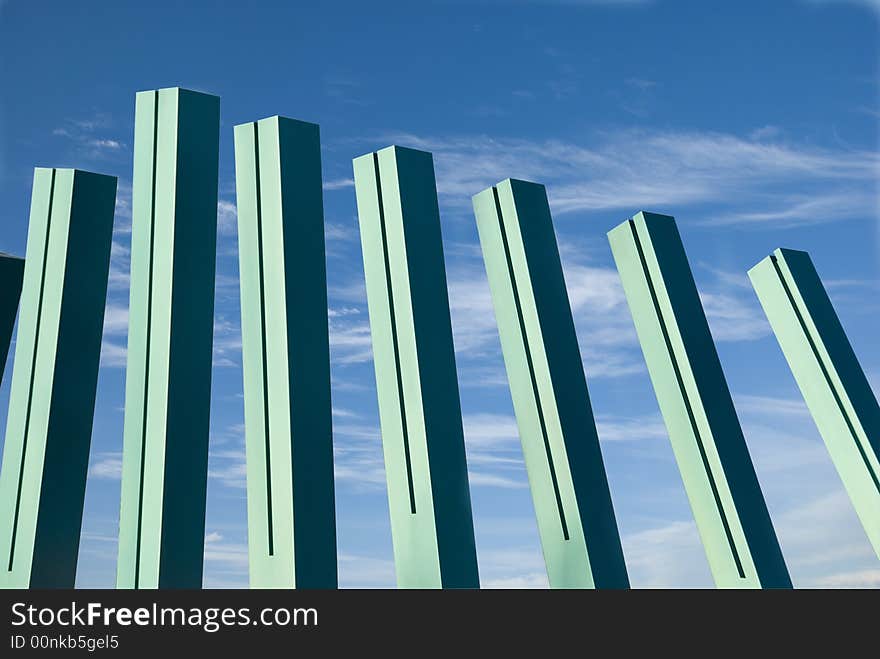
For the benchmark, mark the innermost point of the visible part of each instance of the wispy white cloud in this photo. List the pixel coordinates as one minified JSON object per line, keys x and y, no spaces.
{"x":339,"y":184}
{"x":359,"y":464}
{"x":734,"y":317}
{"x":350,"y":341}
{"x":85,"y":134}
{"x":107,"y":465}
{"x":667,"y":555}
{"x":112,"y":145}
{"x":357,"y":571}
{"x":751,"y":180}
{"x":228,"y":467}
{"x":773,"y":406}
{"x":226,"y":562}
{"x":867,"y":578}
{"x":821,"y":535}
{"x":227,"y":216}
{"x":514,"y":567}
{"x":227,"y":341}
{"x":119,"y":277}
{"x":115,"y":320}
{"x":627,"y":429}
{"x":113,"y":354}
{"x":605,"y":330}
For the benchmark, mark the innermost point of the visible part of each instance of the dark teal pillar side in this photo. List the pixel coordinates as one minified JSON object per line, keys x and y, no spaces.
{"x":11,"y":276}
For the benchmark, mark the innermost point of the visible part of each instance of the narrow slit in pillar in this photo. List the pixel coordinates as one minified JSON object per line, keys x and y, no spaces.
{"x":533,"y":378}
{"x":394,"y":341}
{"x":30,"y":398}
{"x":265,"y":358}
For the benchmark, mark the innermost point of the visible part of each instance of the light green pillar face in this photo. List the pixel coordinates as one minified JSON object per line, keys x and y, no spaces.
{"x":828,"y":374}
{"x":168,"y":376}
{"x":54,"y":379}
{"x":285,"y":354}
{"x":706,"y":437}
{"x":419,"y":408}
{"x":561,"y":447}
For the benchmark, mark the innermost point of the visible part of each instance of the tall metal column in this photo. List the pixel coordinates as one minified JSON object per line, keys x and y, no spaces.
{"x":561,"y":447}
{"x":706,"y":437}
{"x":168,"y":378}
{"x":419,"y":406}
{"x":285,"y":354}
{"x":11,"y":277}
{"x":828,"y":374}
{"x":55,"y":376}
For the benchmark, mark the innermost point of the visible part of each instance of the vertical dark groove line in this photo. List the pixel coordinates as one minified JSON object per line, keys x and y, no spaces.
{"x":531,"y":365}
{"x":265,"y":357}
{"x":140,"y":517}
{"x":687,"y":403}
{"x":825,"y":373}
{"x":30,"y":398}
{"x":406,"y":453}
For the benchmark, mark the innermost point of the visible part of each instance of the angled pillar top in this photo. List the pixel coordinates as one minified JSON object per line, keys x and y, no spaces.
{"x":277,"y":120}
{"x":419,"y":407}
{"x":285,"y":355}
{"x":174,"y":91}
{"x":696,"y":405}
{"x":828,"y":374}
{"x":579,"y":536}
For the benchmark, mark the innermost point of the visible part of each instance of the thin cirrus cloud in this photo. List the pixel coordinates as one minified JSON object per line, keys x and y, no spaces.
{"x":752,"y":180}
{"x":86,"y":135}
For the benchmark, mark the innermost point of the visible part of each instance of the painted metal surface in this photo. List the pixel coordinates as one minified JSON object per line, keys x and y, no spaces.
{"x":828,"y":374}
{"x":168,"y":377}
{"x":286,"y":355}
{"x":569,"y":487}
{"x":712,"y":456}
{"x":419,"y":406}
{"x":54,"y":379}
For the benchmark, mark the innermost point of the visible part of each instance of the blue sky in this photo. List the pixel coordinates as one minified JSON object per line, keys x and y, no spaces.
{"x":754,"y":123}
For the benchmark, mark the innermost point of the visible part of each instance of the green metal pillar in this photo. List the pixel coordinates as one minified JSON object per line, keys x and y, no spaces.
{"x":419,"y":407}
{"x":828,"y":374}
{"x":561,"y":447}
{"x":706,"y":437}
{"x":11,"y":277}
{"x":285,"y":355}
{"x":54,"y":378}
{"x":168,"y":378}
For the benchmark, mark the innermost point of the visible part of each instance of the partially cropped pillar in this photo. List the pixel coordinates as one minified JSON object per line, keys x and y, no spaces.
{"x":569,"y":487}
{"x":828,"y":374}
{"x":285,"y":355}
{"x":168,"y":378}
{"x":706,"y":437}
{"x":419,"y":408}
{"x":55,"y":376}
{"x":11,"y":276}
